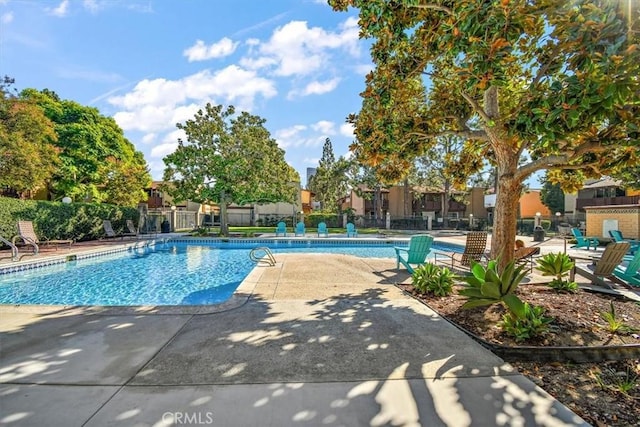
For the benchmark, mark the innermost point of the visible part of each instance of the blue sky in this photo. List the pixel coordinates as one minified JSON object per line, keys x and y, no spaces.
{"x":153,"y":63}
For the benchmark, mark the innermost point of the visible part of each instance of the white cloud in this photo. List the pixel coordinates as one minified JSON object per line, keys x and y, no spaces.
{"x":347,"y":129}
{"x":91,"y":5}
{"x":162,"y":150}
{"x":297,"y":50}
{"x":61,"y":10}
{"x":149,"y":138}
{"x":157,"y":105}
{"x":324,"y":126}
{"x":202,"y":52}
{"x":6,"y":18}
{"x":315,"y":88}
{"x":295,"y":136}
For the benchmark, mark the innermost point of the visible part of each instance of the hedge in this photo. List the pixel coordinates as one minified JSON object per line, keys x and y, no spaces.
{"x":56,"y":220}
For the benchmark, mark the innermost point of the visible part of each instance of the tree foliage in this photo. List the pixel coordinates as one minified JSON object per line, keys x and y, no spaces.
{"x":228,"y":158}
{"x":97,"y":163}
{"x":553,"y":79}
{"x":28,"y":156}
{"x":330,"y":182}
{"x":552,"y":196}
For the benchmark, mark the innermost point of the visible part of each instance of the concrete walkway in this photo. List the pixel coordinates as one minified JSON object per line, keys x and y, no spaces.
{"x":315,"y":340}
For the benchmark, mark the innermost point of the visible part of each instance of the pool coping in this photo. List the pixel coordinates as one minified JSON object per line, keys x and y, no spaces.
{"x":240,"y":296}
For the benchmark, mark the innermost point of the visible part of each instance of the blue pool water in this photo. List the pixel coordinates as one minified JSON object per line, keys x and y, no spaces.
{"x":165,"y":274}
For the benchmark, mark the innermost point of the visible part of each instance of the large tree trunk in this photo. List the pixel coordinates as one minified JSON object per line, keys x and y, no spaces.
{"x":407,"y":199}
{"x":505,"y":217}
{"x":224,"y":217}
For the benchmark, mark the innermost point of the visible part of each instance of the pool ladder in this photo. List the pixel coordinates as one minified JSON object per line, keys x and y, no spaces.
{"x":262,"y":254}
{"x":14,"y":249}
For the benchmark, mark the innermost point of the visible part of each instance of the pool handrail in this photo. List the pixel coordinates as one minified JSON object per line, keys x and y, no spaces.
{"x":15,"y":255}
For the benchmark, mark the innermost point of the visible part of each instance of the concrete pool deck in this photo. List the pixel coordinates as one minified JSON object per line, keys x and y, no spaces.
{"x":315,"y":340}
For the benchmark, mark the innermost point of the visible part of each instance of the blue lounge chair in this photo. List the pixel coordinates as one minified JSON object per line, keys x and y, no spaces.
{"x":322,"y":229}
{"x":300,"y":229}
{"x":351,"y":230}
{"x":616,"y":235}
{"x":631,"y":273}
{"x":416,"y":253}
{"x":584,"y":242}
{"x":281,"y":228}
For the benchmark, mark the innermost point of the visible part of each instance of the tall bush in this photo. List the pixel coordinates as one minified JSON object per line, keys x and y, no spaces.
{"x":56,"y":220}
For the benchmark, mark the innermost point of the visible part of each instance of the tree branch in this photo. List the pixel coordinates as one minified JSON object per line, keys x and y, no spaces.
{"x":477,"y":108}
{"x":469,"y":134}
{"x":444,"y":9}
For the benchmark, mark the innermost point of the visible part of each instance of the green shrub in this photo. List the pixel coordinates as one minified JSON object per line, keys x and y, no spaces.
{"x":486,"y":286}
{"x":530,"y":325}
{"x":56,"y":220}
{"x":557,"y":265}
{"x":430,"y":278}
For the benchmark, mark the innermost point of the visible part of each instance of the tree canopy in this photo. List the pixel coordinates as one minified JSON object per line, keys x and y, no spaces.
{"x":28,"y":156}
{"x":97,"y":163}
{"x":330,"y":182}
{"x":555,"y":82}
{"x":228,"y":158}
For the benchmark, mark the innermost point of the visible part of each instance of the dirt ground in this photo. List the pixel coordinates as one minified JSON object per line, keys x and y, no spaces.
{"x":604,"y":394}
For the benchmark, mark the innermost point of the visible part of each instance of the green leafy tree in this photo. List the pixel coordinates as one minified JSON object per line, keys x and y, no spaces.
{"x":552,"y":80}
{"x":228,"y":158}
{"x":28,"y":156}
{"x":330,"y":182}
{"x":552,"y":196}
{"x":94,"y":154}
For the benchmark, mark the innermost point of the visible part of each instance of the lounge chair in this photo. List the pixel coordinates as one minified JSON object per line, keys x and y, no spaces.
{"x":351,"y":230}
{"x":109,"y":233}
{"x":281,"y":228}
{"x":474,"y":250}
{"x":630,"y":273}
{"x":322,"y":229}
{"x":28,"y":235}
{"x":300,"y":229}
{"x":584,"y":242}
{"x":616,"y":235}
{"x":416,"y":253}
{"x":601,"y":270}
{"x":526,"y":256}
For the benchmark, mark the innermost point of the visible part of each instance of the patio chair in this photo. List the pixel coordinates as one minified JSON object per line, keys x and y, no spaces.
{"x":526,"y":256}
{"x":281,"y":228}
{"x":322,"y":229}
{"x":616,"y":235}
{"x":584,"y":242}
{"x":474,"y":250}
{"x":109,"y":233}
{"x":630,"y":274}
{"x":601,"y":270}
{"x":416,"y":253}
{"x":28,"y":235}
{"x":300,"y":229}
{"x":351,"y":230}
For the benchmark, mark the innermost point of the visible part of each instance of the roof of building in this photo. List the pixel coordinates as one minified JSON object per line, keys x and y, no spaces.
{"x":602,"y":182}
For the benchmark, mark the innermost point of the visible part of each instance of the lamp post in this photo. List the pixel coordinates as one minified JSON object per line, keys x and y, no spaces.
{"x":470,"y":221}
{"x":558,"y":221}
{"x":538,"y":221}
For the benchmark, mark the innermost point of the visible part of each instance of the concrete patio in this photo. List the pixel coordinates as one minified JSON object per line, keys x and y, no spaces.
{"x":314,"y":340}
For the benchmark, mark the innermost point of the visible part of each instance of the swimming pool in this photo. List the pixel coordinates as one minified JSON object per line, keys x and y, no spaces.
{"x":172,"y":273}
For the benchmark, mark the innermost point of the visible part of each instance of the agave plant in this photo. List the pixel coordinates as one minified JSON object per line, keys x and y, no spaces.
{"x":558,"y":265}
{"x":486,"y":286}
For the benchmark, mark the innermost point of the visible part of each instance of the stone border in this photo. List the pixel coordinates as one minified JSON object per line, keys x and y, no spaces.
{"x":575,"y":354}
